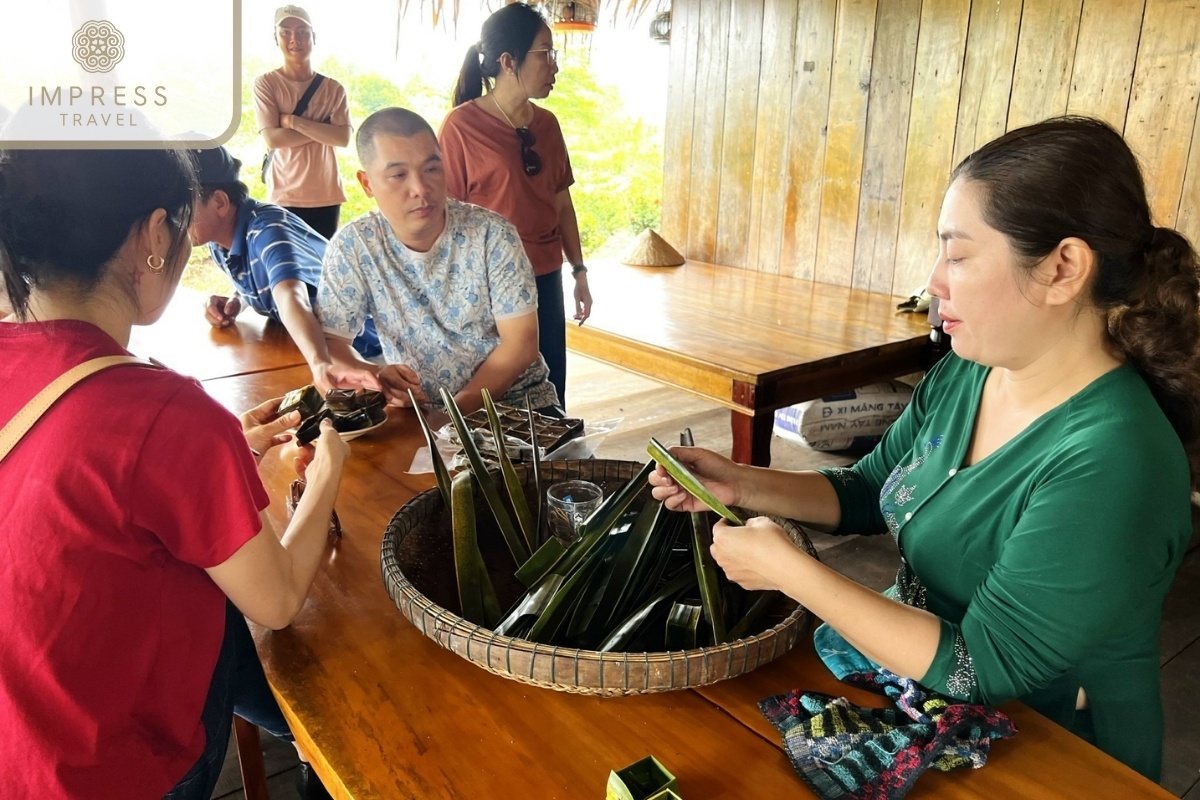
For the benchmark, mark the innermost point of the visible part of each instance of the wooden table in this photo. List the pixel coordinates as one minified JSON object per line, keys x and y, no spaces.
{"x":746,"y":340}
{"x":383,"y":712}
{"x":184,"y":341}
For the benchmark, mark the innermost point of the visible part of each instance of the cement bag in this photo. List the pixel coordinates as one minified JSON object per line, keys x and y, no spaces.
{"x":853,"y":420}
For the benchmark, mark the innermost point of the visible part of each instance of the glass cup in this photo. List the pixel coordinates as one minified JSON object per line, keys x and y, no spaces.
{"x":568,"y":505}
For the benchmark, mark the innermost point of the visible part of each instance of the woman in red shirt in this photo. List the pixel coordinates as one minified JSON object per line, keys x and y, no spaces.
{"x":133,"y":507}
{"x":506,"y":154}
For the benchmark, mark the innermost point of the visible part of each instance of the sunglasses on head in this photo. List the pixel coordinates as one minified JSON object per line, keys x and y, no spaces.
{"x":531,"y":160}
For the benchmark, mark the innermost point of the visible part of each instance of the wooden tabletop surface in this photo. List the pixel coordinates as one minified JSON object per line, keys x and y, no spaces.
{"x":185,"y":342}
{"x":383,"y":712}
{"x":742,"y":324}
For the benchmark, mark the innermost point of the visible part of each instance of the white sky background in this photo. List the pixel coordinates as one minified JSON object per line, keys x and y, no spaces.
{"x":363,"y":33}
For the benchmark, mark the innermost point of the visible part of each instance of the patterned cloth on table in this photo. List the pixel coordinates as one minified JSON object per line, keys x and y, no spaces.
{"x":846,"y":751}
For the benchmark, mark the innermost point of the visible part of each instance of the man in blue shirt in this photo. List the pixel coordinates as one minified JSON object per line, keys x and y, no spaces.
{"x":272,"y":256}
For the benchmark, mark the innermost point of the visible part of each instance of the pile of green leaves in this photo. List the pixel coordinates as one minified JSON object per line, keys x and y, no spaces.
{"x":638,"y":578}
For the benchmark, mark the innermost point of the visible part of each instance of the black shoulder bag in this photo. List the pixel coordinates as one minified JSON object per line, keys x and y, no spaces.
{"x":301,"y":107}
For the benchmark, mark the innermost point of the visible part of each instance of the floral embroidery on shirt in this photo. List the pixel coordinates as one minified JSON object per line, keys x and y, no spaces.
{"x":844,"y":475}
{"x":903,"y":494}
{"x":908,"y":589}
{"x":961,"y":681}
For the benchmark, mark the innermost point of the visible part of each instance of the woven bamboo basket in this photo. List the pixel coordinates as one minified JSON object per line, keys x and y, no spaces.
{"x":418,"y":570}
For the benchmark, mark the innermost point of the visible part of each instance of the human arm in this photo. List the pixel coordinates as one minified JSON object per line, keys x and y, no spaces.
{"x":280,"y":138}
{"x":207,"y":516}
{"x":518,"y":349}
{"x":283,"y":129}
{"x":344,"y":303}
{"x":806,"y":496}
{"x":268,"y":578}
{"x":311,"y":131}
{"x":839,"y":500}
{"x":334,"y":362}
{"x":899,"y":637}
{"x":568,"y":228}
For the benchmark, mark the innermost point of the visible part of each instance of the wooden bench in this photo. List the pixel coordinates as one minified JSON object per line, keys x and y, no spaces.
{"x":749,"y":341}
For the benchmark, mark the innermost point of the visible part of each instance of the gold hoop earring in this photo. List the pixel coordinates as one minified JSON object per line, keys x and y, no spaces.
{"x":162,"y":263}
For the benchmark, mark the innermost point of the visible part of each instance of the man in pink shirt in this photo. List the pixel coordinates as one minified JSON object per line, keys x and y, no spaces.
{"x":302,"y":173}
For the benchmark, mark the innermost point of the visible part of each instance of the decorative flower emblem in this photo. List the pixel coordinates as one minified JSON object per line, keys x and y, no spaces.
{"x":98,"y":46}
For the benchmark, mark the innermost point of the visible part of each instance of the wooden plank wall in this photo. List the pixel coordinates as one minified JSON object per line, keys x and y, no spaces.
{"x":814,"y":138}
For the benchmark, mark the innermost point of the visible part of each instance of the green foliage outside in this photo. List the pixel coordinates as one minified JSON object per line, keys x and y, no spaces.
{"x":617,"y":159}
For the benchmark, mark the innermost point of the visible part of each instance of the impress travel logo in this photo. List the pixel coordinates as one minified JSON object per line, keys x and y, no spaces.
{"x":114,"y":73}
{"x":98,"y":46}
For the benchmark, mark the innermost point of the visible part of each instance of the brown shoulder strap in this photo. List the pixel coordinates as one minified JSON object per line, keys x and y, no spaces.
{"x":19,"y":425}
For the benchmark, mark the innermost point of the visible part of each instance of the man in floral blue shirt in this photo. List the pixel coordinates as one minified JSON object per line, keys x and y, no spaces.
{"x":447,"y":284}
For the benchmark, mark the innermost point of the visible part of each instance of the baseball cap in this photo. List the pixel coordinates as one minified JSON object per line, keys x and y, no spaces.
{"x":217,"y":166}
{"x":283,"y":12}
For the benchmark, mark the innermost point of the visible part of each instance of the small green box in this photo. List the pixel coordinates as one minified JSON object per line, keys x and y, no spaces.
{"x":647,"y":779}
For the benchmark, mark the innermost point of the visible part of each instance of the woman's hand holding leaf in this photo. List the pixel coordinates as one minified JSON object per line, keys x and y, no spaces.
{"x":756,"y":555}
{"x":718,"y":474}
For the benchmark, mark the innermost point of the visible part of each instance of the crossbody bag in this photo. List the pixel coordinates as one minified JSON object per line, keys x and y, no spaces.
{"x":16,"y":428}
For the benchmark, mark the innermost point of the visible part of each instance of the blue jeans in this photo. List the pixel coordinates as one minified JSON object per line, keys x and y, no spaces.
{"x":238,"y":686}
{"x":552,"y":331}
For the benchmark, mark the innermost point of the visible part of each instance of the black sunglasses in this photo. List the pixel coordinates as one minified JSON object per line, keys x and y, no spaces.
{"x":532,"y":161}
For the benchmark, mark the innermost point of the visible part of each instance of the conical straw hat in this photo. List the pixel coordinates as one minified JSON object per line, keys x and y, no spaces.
{"x":651,"y":250}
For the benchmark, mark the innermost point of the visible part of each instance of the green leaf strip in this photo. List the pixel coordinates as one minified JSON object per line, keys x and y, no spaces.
{"x":682,"y":624}
{"x":517,"y":547}
{"x":615,"y":504}
{"x":708,"y":576}
{"x":529,"y":607}
{"x":516,"y":490}
{"x":475,"y":592}
{"x":688,"y":481}
{"x":536,"y":466}
{"x":541,"y":562}
{"x":711,"y":597}
{"x":439,"y":466}
{"x":761,"y":604}
{"x":630,"y":625}
{"x":560,"y":607}
{"x":648,"y":523}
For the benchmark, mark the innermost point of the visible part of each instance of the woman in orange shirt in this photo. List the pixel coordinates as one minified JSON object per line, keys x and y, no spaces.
{"x":506,"y":154}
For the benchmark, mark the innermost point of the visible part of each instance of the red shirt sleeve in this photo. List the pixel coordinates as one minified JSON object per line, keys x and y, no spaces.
{"x":454,"y":159}
{"x":196,"y":486}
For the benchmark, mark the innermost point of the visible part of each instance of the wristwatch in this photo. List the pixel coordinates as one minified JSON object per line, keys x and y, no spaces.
{"x":578,"y":268}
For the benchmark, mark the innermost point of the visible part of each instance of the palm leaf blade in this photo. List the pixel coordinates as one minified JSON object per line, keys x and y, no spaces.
{"x":516,"y":490}
{"x":536,"y":467}
{"x":475,"y":592}
{"x":706,"y":567}
{"x":439,"y":466}
{"x":760,"y":605}
{"x":517,"y":547}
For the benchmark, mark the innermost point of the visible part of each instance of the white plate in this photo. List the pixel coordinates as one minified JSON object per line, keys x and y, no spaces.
{"x":351,"y":435}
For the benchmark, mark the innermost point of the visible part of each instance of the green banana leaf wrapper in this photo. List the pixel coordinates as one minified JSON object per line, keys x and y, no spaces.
{"x":647,"y":779}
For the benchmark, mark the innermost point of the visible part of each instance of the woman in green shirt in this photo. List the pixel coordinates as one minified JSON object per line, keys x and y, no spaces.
{"x":1037,"y":486}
